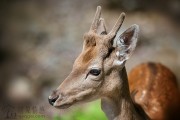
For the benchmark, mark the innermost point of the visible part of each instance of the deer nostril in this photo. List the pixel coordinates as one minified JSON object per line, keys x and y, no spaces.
{"x":52,"y":100}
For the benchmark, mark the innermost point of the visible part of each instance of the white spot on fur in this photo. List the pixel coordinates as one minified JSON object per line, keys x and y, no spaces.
{"x":117,"y":54}
{"x":118,"y":62}
{"x":94,"y":66}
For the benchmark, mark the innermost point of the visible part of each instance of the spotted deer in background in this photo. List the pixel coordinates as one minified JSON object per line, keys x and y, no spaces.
{"x":99,"y":72}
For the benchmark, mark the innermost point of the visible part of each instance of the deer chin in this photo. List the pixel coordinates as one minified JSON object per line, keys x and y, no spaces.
{"x":63,"y":106}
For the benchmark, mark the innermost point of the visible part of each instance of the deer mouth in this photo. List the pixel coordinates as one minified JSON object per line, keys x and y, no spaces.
{"x":63,"y":103}
{"x":63,"y":106}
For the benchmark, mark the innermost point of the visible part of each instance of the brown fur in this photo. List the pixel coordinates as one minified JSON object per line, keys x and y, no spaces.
{"x":89,"y":39}
{"x":88,"y":55}
{"x":157,"y":91}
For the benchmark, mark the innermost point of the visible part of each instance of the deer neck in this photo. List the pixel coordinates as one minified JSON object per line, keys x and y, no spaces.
{"x":118,"y":105}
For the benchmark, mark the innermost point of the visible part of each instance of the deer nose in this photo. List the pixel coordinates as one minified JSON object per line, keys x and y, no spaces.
{"x":52,"y":99}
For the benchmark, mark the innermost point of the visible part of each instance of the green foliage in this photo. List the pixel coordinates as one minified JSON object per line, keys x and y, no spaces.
{"x":91,"y":112}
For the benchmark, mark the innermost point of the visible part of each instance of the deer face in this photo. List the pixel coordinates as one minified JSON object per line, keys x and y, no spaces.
{"x":92,"y":70}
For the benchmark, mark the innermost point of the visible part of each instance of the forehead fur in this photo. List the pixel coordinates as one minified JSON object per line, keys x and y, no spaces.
{"x":90,"y":39}
{"x":83,"y":61}
{"x":89,"y":54}
{"x":95,"y":47}
{"x":86,"y":57}
{"x":99,"y":41}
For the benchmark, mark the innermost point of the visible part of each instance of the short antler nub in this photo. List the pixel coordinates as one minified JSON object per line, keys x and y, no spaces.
{"x":118,"y":24}
{"x":96,"y":19}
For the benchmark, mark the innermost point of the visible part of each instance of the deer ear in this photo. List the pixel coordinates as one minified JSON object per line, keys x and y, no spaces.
{"x":125,"y":44}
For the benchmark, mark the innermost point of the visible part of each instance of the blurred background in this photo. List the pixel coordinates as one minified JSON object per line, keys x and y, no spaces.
{"x":40,"y":39}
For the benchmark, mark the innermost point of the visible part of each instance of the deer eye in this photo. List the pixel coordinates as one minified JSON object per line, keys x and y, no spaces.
{"x":95,"y":72}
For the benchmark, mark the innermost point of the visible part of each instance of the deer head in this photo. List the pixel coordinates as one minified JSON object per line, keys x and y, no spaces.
{"x":92,"y":73}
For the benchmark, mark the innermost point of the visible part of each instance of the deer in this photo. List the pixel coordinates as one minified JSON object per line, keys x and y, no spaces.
{"x":149,"y":92}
